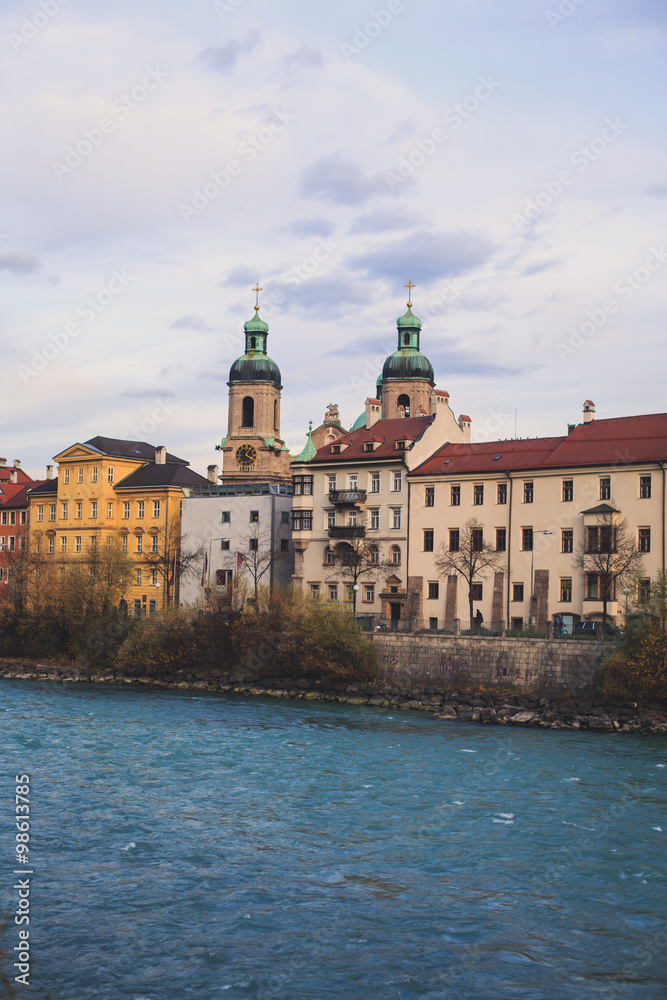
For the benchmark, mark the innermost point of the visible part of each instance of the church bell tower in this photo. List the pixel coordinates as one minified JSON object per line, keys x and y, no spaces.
{"x":253,"y":450}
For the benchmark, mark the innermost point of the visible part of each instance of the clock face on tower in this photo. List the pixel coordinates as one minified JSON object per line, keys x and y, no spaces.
{"x":245,"y":454}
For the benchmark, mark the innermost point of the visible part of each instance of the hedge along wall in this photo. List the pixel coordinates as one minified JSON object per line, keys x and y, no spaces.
{"x":557,"y":667}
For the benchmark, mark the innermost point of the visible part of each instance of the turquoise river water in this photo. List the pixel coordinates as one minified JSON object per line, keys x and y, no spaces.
{"x":188,"y":845}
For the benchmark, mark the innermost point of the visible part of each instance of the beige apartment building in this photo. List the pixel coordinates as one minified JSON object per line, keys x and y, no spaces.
{"x":351,"y":516}
{"x":540,"y":502}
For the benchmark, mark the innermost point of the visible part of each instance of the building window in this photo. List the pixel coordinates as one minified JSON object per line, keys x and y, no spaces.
{"x":156,"y":508}
{"x":517,"y":624}
{"x":12,"y":543}
{"x":152,"y":607}
{"x":137,"y":608}
{"x":284,"y":545}
{"x":395,"y":555}
{"x":477,"y":539}
{"x":397,"y":482}
{"x":284,"y":517}
{"x":79,"y":510}
{"x":477,"y":591}
{"x":24,"y":517}
{"x":77,"y":543}
{"x":433,"y":590}
{"x":605,"y":488}
{"x":352,"y":518}
{"x":374,"y":555}
{"x":502,"y":493}
{"x":63,"y":543}
{"x":4,"y":517}
{"x":330,"y":483}
{"x":224,"y":545}
{"x":455,"y":496}
{"x":527,"y":539}
{"x":453,"y":539}
{"x":93,"y":509}
{"x":592,"y":587}
{"x":94,"y":473}
{"x":126,"y":509}
{"x":80,"y":475}
{"x":370,"y":592}
{"x":600,"y":538}
{"x":644,"y":590}
{"x":645,"y":487}
{"x":140,"y":543}
{"x":154,"y":543}
{"x":123,"y":543}
{"x":517,"y":591}
{"x":140,"y":509}
{"x":335,"y":449}
{"x":331,"y":518}
{"x":52,"y":511}
{"x":303,"y":486}
{"x":374,"y":518}
{"x":329,"y":556}
{"x":429,"y":496}
{"x":501,"y":539}
{"x":375,"y":482}
{"x":52,"y":542}
{"x":315,"y":590}
{"x":248,"y":412}
{"x":568,"y":490}
{"x":226,"y":517}
{"x":40,"y":513}
{"x":109,"y":509}
{"x":644,"y":539}
{"x":109,"y":475}
{"x":428,"y":539}
{"x":254,"y":516}
{"x":137,"y":578}
{"x":567,"y":540}
{"x":566,"y":590}
{"x":66,"y":476}
{"x":396,"y":517}
{"x":353,"y":481}
{"x":64,"y":512}
{"x":302,"y":520}
{"x":333,"y":591}
{"x":528,"y":492}
{"x":478,"y":494}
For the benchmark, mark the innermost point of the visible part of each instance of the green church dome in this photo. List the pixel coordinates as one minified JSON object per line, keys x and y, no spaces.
{"x":408,"y":362}
{"x":409,"y":321}
{"x":255,"y":365}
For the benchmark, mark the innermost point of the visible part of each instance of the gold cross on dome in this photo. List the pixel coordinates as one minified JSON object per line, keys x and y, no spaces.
{"x":409,"y":287}
{"x":257,"y":290}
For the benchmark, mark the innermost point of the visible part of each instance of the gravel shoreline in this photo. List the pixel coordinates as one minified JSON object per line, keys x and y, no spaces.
{"x":504,"y":708}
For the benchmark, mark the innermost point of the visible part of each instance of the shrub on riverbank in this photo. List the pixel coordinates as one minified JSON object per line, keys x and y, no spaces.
{"x":638,"y":669}
{"x":176,"y":640}
{"x":297,"y":637}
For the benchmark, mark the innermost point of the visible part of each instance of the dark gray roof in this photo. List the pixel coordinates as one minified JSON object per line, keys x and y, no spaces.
{"x":171,"y":474}
{"x":50,"y":486}
{"x":118,"y":448}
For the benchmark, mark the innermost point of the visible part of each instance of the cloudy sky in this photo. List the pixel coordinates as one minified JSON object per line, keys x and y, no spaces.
{"x":160,"y":158}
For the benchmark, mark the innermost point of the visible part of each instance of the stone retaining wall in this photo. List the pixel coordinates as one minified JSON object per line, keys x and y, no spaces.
{"x":559,"y":667}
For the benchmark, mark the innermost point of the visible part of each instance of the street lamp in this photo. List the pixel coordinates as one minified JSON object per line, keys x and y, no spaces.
{"x":157,"y":594}
{"x":533,"y":599}
{"x":354,"y":599}
{"x":626,"y":591}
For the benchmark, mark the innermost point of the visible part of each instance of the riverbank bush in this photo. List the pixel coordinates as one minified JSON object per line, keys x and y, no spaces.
{"x":297,"y":637}
{"x":638,"y":668}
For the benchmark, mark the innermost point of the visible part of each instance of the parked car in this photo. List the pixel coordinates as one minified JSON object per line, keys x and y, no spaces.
{"x":593,"y":630}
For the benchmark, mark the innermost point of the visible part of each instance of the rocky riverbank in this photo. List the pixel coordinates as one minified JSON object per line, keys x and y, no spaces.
{"x":486,"y":707}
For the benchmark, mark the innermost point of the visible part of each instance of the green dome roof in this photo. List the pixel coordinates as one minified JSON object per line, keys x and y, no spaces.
{"x":409,"y":321}
{"x":255,"y":367}
{"x":359,"y":422}
{"x":256,"y":325}
{"x":408,"y":363}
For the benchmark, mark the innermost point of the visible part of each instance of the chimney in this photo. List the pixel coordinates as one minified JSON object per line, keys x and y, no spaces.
{"x":439,"y":399}
{"x":464,"y":423}
{"x":570,"y":428}
{"x":3,"y":461}
{"x":17,"y":463}
{"x":589,"y":411}
{"x":13,"y":476}
{"x":212,"y":473}
{"x":161,"y":455}
{"x":49,"y":472}
{"x":372,"y":412}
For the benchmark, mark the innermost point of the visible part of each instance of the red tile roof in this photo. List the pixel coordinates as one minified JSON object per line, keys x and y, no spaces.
{"x":386,"y":431}
{"x":617,"y":441}
{"x":15,"y":495}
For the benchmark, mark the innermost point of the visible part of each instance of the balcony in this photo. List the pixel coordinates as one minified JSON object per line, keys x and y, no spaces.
{"x":347,"y":498}
{"x":347,"y":531}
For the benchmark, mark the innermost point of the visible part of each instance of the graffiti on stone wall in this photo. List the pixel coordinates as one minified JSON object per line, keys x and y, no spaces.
{"x":390,"y":661}
{"x":449,"y":667}
{"x":515,"y":674}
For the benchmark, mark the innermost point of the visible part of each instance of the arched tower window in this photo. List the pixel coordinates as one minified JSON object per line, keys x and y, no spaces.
{"x":406,"y":339}
{"x":396,"y":555}
{"x":248,"y":412}
{"x":404,"y":401}
{"x":275,"y":415}
{"x":253,"y":343}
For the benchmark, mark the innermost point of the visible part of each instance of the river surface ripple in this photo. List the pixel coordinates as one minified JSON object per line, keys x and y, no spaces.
{"x":188,"y":845}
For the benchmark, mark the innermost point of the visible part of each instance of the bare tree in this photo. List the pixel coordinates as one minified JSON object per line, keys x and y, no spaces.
{"x":356,"y":557}
{"x":260,"y":558}
{"x":168,"y":557}
{"x":471,"y":559}
{"x":610,"y":553}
